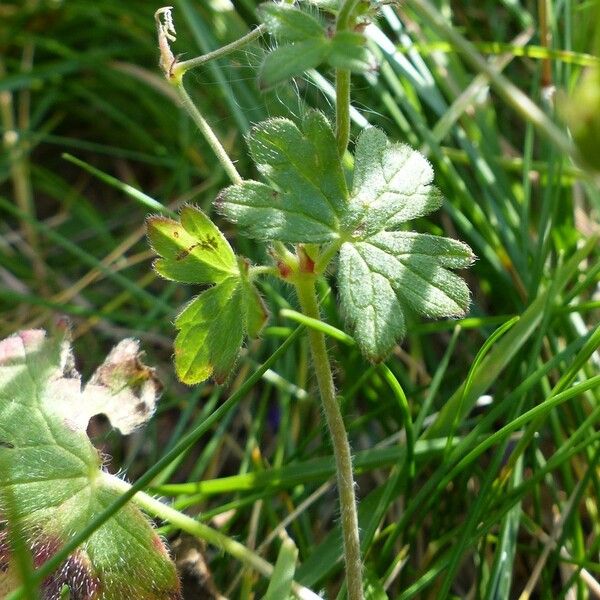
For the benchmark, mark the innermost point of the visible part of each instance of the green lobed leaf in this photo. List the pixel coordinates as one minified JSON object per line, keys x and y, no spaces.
{"x":307,"y":196}
{"x":52,"y":474}
{"x":306,"y":45}
{"x":291,"y":60}
{"x":211,"y":330}
{"x":212,"y":326}
{"x":392,"y":184}
{"x":192,"y":250}
{"x":290,"y":23}
{"x":381,"y":275}
{"x":383,"y":272}
{"x":348,"y":50}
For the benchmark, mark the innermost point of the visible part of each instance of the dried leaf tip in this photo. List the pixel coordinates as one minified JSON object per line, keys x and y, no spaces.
{"x":166,"y":33}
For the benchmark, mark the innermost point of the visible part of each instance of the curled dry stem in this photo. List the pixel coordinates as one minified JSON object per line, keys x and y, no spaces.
{"x":166,"y":34}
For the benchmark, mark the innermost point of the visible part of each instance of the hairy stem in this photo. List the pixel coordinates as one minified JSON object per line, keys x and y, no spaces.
{"x":181,"y":67}
{"x":204,"y":532}
{"x":342,"y":109}
{"x":341,"y":448}
{"x":208,"y":134}
{"x":345,"y":14}
{"x":342,"y":84}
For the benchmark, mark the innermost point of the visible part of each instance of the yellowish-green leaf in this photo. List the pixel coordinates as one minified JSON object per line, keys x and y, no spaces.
{"x":193,"y":250}
{"x":212,"y":326}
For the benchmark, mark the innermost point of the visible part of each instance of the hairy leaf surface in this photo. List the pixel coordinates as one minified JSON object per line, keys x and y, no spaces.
{"x":289,"y":60}
{"x":392,"y":184}
{"x":307,"y":195}
{"x":212,"y":326}
{"x":381,"y":275}
{"x":51,"y":481}
{"x":193,"y":250}
{"x":289,"y":23}
{"x":383,"y":272}
{"x":349,"y":51}
{"x":305,"y":43}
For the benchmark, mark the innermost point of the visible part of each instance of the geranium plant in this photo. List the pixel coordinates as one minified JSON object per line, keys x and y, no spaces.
{"x":318,"y":219}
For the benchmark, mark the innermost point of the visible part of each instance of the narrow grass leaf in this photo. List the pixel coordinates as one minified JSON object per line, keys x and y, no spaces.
{"x":280,"y":585}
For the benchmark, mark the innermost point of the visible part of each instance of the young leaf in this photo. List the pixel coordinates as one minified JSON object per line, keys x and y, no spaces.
{"x":193,"y":250}
{"x":289,"y":23}
{"x":212,"y":326}
{"x":306,"y":45}
{"x":51,"y":474}
{"x":291,"y":60}
{"x":383,"y":271}
{"x":211,"y":330}
{"x":307,"y":195}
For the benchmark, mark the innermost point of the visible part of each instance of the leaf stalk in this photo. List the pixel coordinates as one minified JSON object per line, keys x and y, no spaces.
{"x":209,"y":134}
{"x":342,"y":84}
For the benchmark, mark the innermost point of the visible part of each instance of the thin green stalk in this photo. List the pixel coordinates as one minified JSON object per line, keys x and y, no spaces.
{"x":181,"y":67}
{"x":342,"y":109}
{"x":204,"y":532}
{"x":342,"y":84}
{"x":175,"y":71}
{"x":345,"y":14}
{"x":208,"y":133}
{"x":341,"y":448}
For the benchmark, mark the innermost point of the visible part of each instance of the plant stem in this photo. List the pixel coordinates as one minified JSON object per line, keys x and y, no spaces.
{"x":342,"y":84}
{"x":342,"y":109}
{"x":326,"y":256}
{"x":204,"y":532}
{"x":181,"y":67}
{"x":345,"y":14}
{"x":341,"y":448}
{"x":208,"y":133}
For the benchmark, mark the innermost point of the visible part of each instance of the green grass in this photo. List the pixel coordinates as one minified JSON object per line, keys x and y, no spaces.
{"x":485,"y":482}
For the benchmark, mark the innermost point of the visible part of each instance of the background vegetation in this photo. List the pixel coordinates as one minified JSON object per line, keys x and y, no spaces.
{"x":489,"y":488}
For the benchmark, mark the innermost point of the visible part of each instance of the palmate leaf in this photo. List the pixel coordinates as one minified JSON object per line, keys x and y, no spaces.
{"x":51,"y":479}
{"x":380,"y":275}
{"x":382,"y":271}
{"x":212,"y":326}
{"x":307,"y":195}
